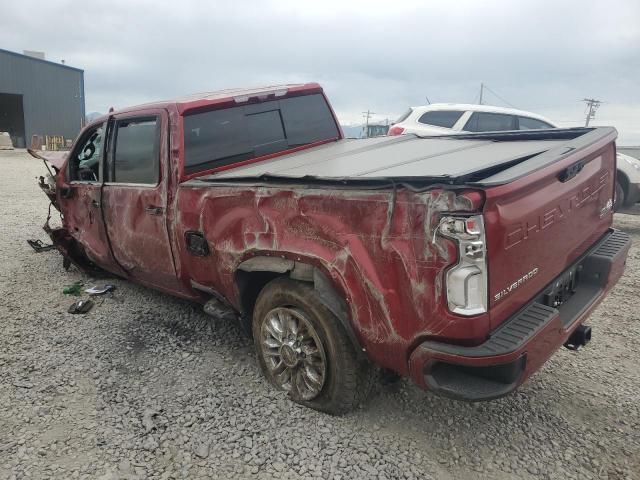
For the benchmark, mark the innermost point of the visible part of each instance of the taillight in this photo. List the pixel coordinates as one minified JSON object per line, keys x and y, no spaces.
{"x":466,"y":281}
{"x":395,"y":130}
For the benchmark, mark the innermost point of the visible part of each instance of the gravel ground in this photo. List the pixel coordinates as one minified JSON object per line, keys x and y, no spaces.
{"x":145,"y":386}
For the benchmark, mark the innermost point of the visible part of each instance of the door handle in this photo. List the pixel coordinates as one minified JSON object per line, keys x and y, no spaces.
{"x":151,"y":210}
{"x":95,"y":203}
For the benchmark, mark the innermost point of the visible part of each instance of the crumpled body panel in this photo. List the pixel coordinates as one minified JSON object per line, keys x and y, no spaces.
{"x":376,"y":246}
{"x":55,"y":158}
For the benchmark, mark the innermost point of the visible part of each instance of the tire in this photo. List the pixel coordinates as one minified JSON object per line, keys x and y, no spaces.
{"x":303,"y":349}
{"x":618,"y":200}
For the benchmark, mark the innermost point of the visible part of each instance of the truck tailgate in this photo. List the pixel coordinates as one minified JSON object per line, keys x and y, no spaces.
{"x":540,"y":223}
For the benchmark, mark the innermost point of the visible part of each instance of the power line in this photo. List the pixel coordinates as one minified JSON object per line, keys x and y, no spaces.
{"x":484,"y":87}
{"x":592,"y":105}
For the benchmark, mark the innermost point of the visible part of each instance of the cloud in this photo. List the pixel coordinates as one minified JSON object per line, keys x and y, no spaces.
{"x":543,"y":56}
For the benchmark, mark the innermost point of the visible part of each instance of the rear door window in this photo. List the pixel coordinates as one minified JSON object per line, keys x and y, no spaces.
{"x":490,"y":122}
{"x":135,"y":157}
{"x":440,"y":118}
{"x":222,"y":137}
{"x":527,"y":123}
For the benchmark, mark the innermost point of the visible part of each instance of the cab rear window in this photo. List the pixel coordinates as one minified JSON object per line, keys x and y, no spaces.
{"x":223,"y":137}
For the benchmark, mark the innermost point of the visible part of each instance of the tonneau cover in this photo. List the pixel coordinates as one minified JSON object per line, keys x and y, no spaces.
{"x":403,"y":156}
{"x":411,"y":156}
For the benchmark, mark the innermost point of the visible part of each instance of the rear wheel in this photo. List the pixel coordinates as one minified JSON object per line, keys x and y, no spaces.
{"x":303,"y":349}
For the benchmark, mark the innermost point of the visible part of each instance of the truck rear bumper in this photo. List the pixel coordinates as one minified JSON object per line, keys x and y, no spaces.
{"x":522,"y":344}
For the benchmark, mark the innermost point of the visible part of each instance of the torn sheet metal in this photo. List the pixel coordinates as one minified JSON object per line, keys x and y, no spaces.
{"x":55,"y":158}
{"x":375,"y":247}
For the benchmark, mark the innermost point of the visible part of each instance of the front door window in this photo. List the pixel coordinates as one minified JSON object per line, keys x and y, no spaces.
{"x":84,"y":164}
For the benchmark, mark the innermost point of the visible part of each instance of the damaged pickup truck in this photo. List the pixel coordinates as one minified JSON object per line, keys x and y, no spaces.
{"x":461,"y":262}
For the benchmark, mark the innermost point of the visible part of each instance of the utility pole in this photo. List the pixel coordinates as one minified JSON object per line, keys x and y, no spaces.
{"x":481,"y":90}
{"x":367,"y":115}
{"x":593,"y":105}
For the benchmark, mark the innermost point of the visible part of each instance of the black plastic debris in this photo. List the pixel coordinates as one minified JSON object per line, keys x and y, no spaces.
{"x":81,"y":306}
{"x":38,"y":246}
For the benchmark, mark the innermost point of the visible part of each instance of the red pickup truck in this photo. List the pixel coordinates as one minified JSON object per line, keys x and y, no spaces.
{"x":463,"y":262}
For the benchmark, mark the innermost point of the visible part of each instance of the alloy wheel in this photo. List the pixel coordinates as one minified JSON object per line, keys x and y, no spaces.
{"x":293,"y":352}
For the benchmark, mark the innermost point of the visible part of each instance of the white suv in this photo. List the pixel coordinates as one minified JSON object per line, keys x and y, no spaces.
{"x":447,"y":118}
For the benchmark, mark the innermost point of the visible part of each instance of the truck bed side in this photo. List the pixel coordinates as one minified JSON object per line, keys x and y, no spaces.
{"x":375,"y":247}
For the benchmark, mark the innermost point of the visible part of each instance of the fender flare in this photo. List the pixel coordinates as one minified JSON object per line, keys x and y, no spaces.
{"x":306,"y":272}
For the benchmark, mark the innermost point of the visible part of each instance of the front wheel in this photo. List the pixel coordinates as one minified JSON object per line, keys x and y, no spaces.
{"x":302,"y":349}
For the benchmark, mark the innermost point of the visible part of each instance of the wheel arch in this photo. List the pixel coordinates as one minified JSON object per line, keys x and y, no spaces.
{"x":253,"y":274}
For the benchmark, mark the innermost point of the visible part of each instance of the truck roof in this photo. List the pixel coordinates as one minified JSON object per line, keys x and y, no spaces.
{"x":445,"y":158}
{"x":231,"y":95}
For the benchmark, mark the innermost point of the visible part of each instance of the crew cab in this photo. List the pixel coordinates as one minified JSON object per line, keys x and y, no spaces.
{"x":463,"y":262}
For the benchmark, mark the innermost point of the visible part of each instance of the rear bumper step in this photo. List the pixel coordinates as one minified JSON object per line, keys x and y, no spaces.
{"x":522,"y":344}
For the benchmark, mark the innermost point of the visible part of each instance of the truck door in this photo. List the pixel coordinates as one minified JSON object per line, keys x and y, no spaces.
{"x":79,"y":197}
{"x":134,"y":197}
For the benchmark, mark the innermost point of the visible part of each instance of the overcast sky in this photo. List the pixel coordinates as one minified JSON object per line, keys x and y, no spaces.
{"x":541,"y":55}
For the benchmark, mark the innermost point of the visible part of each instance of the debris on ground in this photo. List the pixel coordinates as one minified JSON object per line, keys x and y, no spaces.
{"x":81,"y":306}
{"x":38,"y":246}
{"x":95,"y":290}
{"x":73,"y":289}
